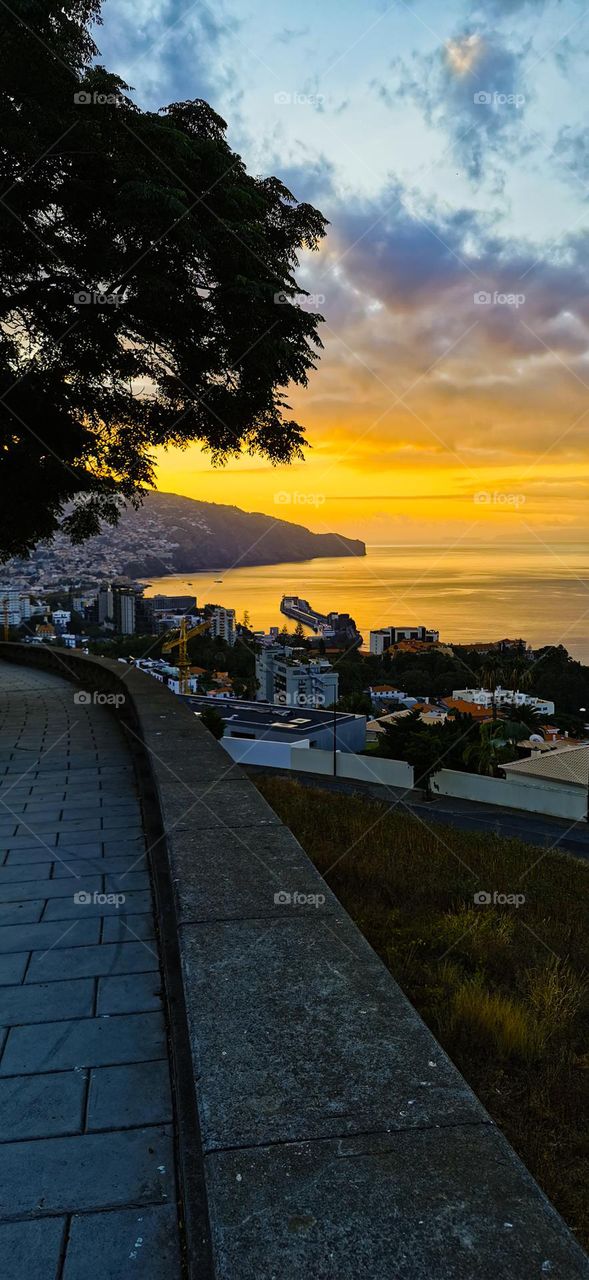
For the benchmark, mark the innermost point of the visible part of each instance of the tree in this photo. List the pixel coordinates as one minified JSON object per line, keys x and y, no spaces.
{"x":213,"y":722}
{"x":146,"y":277}
{"x":492,"y":675}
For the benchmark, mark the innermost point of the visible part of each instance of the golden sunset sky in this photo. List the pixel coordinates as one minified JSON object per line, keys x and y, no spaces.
{"x":447,"y":146}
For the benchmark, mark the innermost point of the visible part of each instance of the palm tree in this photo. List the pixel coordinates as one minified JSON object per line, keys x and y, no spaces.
{"x":492,"y":675}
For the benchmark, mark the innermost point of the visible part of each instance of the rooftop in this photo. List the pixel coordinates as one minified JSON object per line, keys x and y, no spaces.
{"x":270,"y":714}
{"x":567,"y":764}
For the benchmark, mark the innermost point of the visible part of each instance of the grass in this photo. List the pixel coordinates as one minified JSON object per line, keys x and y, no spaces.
{"x":505,"y":989}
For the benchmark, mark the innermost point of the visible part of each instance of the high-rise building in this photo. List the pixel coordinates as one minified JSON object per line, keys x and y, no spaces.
{"x":284,"y":679}
{"x":105,"y":605}
{"x":223,"y":624}
{"x":124,"y":603}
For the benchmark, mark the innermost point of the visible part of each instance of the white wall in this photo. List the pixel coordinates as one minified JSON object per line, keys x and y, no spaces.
{"x":391,"y":773}
{"x":561,"y":800}
{"x":259,"y":751}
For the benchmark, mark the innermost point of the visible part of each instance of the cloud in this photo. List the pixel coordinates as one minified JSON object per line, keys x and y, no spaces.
{"x":172,"y":51}
{"x":472,"y":88}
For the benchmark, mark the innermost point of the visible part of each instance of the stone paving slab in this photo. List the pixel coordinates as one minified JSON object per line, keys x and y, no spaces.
{"x":125,"y":1096}
{"x":85,"y":1102}
{"x":82,"y":962}
{"x":32,"y":1249}
{"x":407,"y":1207}
{"x":130,"y":1243}
{"x":43,"y":1106}
{"x":47,"y":1002}
{"x":293,"y":991}
{"x":83,"y":1042}
{"x":127,"y":993}
{"x":89,"y":1171}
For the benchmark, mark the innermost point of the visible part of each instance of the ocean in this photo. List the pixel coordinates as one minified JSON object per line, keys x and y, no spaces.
{"x":466,"y":593}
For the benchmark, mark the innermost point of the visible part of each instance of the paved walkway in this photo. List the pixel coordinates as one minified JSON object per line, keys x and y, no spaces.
{"x":87,"y":1185}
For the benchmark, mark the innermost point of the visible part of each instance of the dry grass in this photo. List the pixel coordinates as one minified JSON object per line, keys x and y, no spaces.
{"x":504,"y":988}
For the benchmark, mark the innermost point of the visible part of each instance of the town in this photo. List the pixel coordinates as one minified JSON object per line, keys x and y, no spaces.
{"x":513,"y":717}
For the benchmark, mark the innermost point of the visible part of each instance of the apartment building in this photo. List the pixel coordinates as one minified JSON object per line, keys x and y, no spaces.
{"x":384,"y":637}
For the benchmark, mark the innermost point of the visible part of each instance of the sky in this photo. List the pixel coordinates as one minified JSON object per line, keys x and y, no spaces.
{"x":446,"y":144}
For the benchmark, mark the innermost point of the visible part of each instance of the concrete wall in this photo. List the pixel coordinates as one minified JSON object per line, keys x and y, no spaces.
{"x":275,"y":755}
{"x":321,"y":1129}
{"x":389,"y":773}
{"x":556,"y":799}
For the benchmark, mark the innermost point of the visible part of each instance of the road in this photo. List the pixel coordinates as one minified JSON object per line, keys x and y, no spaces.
{"x":466,"y":815}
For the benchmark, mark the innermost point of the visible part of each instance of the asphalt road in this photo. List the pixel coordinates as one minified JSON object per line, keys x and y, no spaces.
{"x":534,"y":828}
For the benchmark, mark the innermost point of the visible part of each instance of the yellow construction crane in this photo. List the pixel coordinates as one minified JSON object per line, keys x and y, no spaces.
{"x":179,"y":640}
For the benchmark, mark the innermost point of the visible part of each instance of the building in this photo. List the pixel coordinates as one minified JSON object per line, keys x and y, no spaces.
{"x":223,"y":624}
{"x":314,"y":728}
{"x":568,"y":765}
{"x":105,"y":608}
{"x":124,"y":611}
{"x":61,"y":619}
{"x":382,"y":639}
{"x":504,"y":698}
{"x":284,"y":679}
{"x":172,"y":604}
{"x":15,"y":607}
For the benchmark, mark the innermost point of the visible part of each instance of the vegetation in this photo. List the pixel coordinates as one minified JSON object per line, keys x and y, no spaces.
{"x":142,"y":271}
{"x":503,"y":988}
{"x":213,"y":722}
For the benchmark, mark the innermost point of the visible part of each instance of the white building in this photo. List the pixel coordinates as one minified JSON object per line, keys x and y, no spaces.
{"x":505,"y":698}
{"x":223,"y":624}
{"x":286,"y":680}
{"x":15,"y":607}
{"x":382,"y":639}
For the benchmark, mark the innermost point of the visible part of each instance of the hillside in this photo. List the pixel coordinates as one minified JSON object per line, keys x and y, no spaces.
{"x":170,"y":534}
